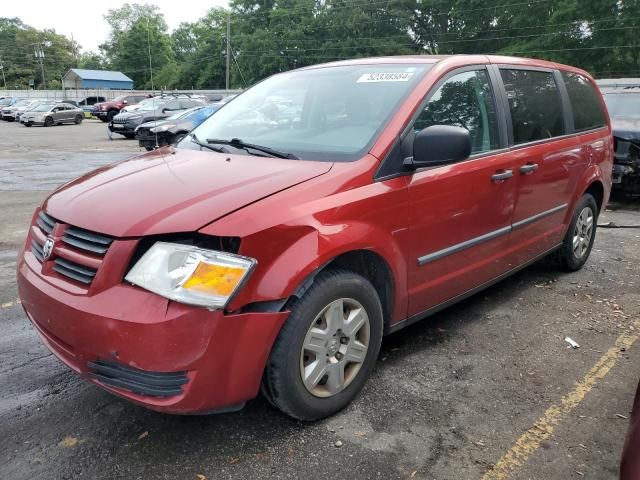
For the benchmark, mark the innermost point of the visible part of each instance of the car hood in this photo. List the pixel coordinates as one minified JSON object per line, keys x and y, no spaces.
{"x":164,"y":121}
{"x":133,"y":114}
{"x":171,"y":191}
{"x":626,"y":128}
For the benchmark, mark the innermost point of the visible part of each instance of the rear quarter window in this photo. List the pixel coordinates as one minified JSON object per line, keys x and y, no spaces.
{"x":585,"y":102}
{"x":535,"y":104}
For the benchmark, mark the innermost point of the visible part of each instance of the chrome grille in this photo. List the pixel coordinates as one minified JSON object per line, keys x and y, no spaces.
{"x":73,"y":270}
{"x":119,"y":120}
{"x":45,"y":222}
{"x":77,"y":261}
{"x":87,"y":240}
{"x":36,"y":249}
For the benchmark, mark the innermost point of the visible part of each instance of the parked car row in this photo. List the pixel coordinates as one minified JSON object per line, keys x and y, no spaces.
{"x":171,"y":130}
{"x":156,"y":108}
{"x":124,"y":114}
{"x":39,"y":111}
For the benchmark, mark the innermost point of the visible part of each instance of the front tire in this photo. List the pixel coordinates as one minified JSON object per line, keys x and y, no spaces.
{"x":327,"y":348}
{"x":78,"y":119}
{"x":48,"y":122}
{"x":178,"y":138}
{"x":578,"y":241}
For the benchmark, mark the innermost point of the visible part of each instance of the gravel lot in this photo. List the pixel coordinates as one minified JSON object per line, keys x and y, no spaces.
{"x":448,"y":400}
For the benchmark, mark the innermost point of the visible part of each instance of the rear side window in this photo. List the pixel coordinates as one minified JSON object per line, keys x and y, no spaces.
{"x":535,"y":105}
{"x":465,"y":100}
{"x":585,"y":102}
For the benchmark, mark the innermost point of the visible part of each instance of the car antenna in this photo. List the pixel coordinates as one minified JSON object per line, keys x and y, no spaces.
{"x":153,"y":99}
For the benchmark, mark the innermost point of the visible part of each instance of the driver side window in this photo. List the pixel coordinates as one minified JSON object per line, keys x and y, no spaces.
{"x":465,"y":100}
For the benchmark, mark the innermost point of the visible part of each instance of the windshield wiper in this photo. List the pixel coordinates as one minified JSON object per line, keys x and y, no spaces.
{"x":236,"y":142}
{"x":195,"y":140}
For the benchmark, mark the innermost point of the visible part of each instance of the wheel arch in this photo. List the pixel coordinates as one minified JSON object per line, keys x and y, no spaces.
{"x":303,"y":252}
{"x":367,"y":263}
{"x":596,"y":189}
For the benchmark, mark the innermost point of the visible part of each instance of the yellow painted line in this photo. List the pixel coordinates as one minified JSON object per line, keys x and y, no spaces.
{"x":11,"y":304}
{"x":531,"y":440}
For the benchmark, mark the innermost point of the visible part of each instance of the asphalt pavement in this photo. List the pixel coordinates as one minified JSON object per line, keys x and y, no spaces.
{"x":487,"y":389}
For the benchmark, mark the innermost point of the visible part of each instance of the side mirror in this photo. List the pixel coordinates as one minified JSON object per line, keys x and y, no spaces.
{"x":439,"y":145}
{"x":125,"y":101}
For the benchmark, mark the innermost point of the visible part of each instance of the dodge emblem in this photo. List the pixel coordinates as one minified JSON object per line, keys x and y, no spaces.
{"x":47,"y":248}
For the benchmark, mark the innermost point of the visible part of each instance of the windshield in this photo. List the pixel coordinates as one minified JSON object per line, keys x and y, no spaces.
{"x":183,"y":114}
{"x":119,"y":98}
{"x":625,"y":105}
{"x":330,"y":113}
{"x":22,"y":103}
{"x":151,"y":105}
{"x":45,"y":107}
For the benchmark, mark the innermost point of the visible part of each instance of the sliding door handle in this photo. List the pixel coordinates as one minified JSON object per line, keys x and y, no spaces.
{"x":528,"y":168}
{"x":502,"y":175}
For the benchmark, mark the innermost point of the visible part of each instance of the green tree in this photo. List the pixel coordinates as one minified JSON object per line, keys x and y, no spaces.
{"x":91,"y":61}
{"x":200,"y":47}
{"x":139,"y":37}
{"x":18,"y":43}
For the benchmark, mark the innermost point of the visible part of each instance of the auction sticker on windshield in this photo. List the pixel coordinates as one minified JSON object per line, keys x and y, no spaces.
{"x":385,"y":77}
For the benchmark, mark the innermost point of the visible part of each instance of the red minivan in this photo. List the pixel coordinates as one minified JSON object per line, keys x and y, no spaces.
{"x":318,"y":211}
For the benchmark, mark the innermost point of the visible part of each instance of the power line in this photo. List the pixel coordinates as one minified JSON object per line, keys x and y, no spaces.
{"x":446,"y":42}
{"x":350,"y":5}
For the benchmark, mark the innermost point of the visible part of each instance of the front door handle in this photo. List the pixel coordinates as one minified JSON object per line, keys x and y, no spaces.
{"x":501,"y":176}
{"x":528,"y":168}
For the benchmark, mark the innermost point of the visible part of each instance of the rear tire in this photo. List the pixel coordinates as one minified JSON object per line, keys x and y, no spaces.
{"x":177,"y":138}
{"x":48,"y":122}
{"x":578,"y":241}
{"x":327,"y":348}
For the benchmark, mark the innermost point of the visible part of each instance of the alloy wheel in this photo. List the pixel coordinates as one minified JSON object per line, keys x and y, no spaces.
{"x":335,"y":347}
{"x":583,"y":232}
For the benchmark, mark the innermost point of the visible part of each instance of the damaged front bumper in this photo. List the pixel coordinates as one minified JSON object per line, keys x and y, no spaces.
{"x":626,"y":167}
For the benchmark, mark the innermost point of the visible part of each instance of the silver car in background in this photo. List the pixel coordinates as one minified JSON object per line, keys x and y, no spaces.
{"x":49,"y":114}
{"x":11,"y":113}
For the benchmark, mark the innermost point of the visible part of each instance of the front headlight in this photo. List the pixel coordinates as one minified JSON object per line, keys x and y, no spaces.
{"x":191,"y":275}
{"x":162,"y":128}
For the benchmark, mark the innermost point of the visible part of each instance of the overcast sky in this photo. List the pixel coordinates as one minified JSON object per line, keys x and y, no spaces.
{"x":84,"y":18}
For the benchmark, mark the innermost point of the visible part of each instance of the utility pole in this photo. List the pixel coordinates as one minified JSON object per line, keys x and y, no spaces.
{"x":228,"y":48}
{"x":39,"y":54}
{"x":4,"y":80}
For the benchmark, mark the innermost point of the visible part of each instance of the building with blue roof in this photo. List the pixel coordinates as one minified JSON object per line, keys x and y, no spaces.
{"x":79,"y":78}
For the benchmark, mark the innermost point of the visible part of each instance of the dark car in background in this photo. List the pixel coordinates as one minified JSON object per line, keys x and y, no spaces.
{"x":624,"y":109}
{"x":125,"y":123}
{"x":92,"y":100}
{"x":105,"y":111}
{"x":159,"y":133}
